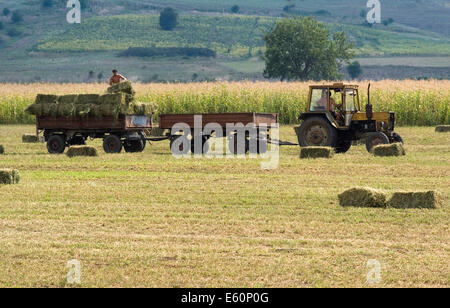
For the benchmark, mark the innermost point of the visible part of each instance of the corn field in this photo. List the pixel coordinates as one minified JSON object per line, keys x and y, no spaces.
{"x":416,"y":103}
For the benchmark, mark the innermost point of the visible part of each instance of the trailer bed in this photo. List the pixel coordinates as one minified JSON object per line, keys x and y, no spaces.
{"x":167,"y":121}
{"x":123,"y":123}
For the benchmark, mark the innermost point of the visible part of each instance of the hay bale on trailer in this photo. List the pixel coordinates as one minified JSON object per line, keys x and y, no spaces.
{"x":316,"y":152}
{"x":82,"y":150}
{"x":9,"y":176}
{"x":28,"y":138}
{"x":394,"y":149}
{"x":443,"y":128}
{"x":414,"y":200}
{"x":122,"y":87}
{"x":2,"y":149}
{"x":363,"y":197}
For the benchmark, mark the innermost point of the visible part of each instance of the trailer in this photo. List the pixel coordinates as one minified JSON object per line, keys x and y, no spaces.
{"x":220,"y":125}
{"x":124,"y":132}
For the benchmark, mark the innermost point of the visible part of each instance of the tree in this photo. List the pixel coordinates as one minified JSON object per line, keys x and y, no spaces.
{"x":168,"y":19}
{"x":235,"y":9}
{"x":17,"y":17}
{"x":46,"y":4}
{"x":6,"y":11}
{"x":301,"y":49}
{"x":354,"y":69}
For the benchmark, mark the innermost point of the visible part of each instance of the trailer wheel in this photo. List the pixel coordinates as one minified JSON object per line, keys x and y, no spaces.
{"x":77,"y":140}
{"x":179,"y":148}
{"x":134,"y":146}
{"x":375,"y":139}
{"x":112,"y":144}
{"x":203,"y":150}
{"x":343,"y":147}
{"x":237,"y":146}
{"x":56,"y":144}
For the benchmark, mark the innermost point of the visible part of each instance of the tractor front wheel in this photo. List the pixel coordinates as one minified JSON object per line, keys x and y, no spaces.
{"x":317,"y":131}
{"x":375,"y":139}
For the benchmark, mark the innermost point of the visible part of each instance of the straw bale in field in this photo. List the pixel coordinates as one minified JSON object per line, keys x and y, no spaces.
{"x":443,"y":128}
{"x":2,"y":149}
{"x":124,"y":87}
{"x":394,"y":149}
{"x":363,"y":197}
{"x":410,"y":200}
{"x":82,"y":150}
{"x":28,"y":138}
{"x":9,"y":176}
{"x":316,"y":152}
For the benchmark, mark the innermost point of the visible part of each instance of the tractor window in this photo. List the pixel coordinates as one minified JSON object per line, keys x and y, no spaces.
{"x":336,"y":98}
{"x":319,"y":100}
{"x":350,"y":100}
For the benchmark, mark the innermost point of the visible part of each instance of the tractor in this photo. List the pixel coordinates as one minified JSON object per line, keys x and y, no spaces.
{"x":333,"y":118}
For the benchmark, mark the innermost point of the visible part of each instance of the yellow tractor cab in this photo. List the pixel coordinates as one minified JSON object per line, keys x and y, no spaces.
{"x":334,"y":118}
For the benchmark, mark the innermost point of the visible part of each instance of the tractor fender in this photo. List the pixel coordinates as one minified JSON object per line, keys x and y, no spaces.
{"x":326,"y":115}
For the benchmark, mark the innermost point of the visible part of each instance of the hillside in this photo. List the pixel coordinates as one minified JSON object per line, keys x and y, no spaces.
{"x":235,"y":35}
{"x":44,"y":47}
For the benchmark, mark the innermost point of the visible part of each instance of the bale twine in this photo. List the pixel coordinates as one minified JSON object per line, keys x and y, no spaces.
{"x":414,"y":200}
{"x":9,"y":176}
{"x":28,"y":138}
{"x":363,"y":197}
{"x":316,"y":152}
{"x":443,"y":128}
{"x":82,"y":150}
{"x":394,"y":149}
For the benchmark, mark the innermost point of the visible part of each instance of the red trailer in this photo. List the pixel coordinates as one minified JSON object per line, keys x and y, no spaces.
{"x":126,"y":131}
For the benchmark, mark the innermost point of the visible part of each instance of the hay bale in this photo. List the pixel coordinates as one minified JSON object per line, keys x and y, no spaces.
{"x":363,"y":197}
{"x":122,"y":87}
{"x":2,"y":149}
{"x":316,"y":152}
{"x":443,"y":128}
{"x":82,"y":150}
{"x":28,"y":138}
{"x":91,"y":99}
{"x":45,"y":99}
{"x":414,"y":200}
{"x":9,"y":176}
{"x":394,"y":149}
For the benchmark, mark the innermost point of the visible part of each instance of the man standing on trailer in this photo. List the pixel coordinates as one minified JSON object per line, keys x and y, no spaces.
{"x":116,"y":78}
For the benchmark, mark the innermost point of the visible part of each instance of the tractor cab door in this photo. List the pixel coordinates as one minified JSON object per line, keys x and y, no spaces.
{"x":350,"y":106}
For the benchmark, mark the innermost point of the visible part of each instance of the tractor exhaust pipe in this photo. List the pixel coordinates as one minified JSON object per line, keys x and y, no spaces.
{"x":369,"y":107}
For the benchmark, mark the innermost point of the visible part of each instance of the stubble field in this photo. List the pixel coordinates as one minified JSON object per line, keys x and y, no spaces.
{"x":151,"y":220}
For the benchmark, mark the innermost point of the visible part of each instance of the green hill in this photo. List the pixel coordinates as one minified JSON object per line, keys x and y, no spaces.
{"x":234,"y":35}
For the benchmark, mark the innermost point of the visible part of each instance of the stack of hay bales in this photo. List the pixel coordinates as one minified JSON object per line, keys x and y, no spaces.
{"x":2,"y":149}
{"x":316,"y":152}
{"x":82,"y":150}
{"x":414,"y":200}
{"x":27,"y":138}
{"x":120,"y":99}
{"x":9,"y":176}
{"x":363,"y":197}
{"x":443,"y":128}
{"x":394,"y":149}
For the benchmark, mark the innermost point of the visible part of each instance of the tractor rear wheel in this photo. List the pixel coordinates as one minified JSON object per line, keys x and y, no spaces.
{"x":375,"y":139}
{"x":317,"y":131}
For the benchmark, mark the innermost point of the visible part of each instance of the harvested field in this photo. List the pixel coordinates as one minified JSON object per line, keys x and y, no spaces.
{"x":316,"y":152}
{"x":150,"y":220}
{"x":82,"y":150}
{"x":394,"y":149}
